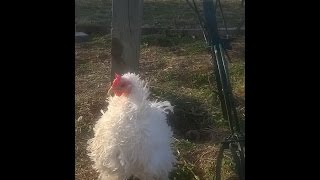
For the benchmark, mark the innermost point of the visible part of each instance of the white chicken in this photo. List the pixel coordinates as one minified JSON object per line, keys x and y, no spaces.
{"x":132,"y":138}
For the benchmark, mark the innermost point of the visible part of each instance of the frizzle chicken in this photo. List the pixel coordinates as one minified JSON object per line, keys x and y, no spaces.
{"x":132,"y":138}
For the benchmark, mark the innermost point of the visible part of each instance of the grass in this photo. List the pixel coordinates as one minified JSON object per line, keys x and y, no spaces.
{"x":175,"y":14}
{"x":178,"y":69}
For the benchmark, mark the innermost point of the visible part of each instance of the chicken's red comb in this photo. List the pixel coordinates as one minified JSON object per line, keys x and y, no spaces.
{"x":117,"y":79}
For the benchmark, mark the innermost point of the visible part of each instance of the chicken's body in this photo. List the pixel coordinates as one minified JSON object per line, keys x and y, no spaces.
{"x":132,"y":138}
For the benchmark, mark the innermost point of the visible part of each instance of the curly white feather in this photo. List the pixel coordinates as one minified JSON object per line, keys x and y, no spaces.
{"x":132,"y":137}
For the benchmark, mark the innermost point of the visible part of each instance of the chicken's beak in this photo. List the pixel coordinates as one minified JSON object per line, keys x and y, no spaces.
{"x":110,"y":91}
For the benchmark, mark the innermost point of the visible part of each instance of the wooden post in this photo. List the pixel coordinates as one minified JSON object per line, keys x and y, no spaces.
{"x":126,"y":35}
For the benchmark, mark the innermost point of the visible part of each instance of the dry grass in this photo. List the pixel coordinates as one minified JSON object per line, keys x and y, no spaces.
{"x":178,"y":69}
